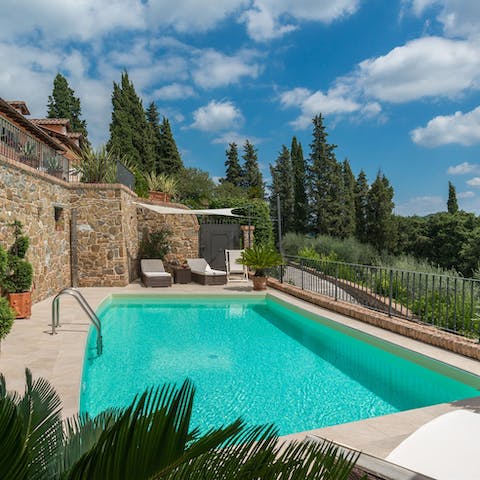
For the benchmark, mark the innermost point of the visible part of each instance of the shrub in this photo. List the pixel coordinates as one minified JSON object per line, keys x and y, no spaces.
{"x":310,"y":253}
{"x":155,"y":244}
{"x":21,"y":243}
{"x":3,"y":262}
{"x":7,"y":316}
{"x":19,"y":276}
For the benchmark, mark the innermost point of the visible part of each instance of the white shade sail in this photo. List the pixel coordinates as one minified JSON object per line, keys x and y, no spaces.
{"x":224,"y":212}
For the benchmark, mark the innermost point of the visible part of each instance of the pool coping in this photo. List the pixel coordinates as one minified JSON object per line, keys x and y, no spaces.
{"x":59,"y":358}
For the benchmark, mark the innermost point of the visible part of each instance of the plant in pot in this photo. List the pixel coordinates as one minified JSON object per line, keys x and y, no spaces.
{"x":18,"y":277}
{"x":161,"y":186}
{"x":28,"y":155}
{"x":54,"y":166}
{"x":259,"y":258}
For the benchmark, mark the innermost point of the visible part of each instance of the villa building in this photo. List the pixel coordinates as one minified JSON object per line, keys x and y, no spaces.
{"x":47,"y":145}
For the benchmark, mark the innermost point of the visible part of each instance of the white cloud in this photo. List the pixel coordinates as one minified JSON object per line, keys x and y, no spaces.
{"x":268,"y":19}
{"x":467,"y":194}
{"x":214,"y":69}
{"x":425,"y":67}
{"x":459,"y":17}
{"x":191,"y":15}
{"x":217,"y":116}
{"x":474,"y":182}
{"x":60,"y":19}
{"x":174,"y":91}
{"x":461,"y":128}
{"x":463,"y":168}
{"x":335,"y":101}
{"x":234,"y":137}
{"x":421,"y":206}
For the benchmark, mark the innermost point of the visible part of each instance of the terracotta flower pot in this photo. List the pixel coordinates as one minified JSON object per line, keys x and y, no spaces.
{"x":158,"y":196}
{"x":259,"y":283}
{"x":21,"y":303}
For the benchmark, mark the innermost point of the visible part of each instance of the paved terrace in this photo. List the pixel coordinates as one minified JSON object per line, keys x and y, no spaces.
{"x":59,"y":358}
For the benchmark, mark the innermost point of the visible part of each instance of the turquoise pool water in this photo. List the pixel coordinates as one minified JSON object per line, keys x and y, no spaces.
{"x":258,"y":359}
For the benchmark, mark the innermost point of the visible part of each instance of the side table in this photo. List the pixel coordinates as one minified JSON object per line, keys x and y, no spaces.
{"x":182,"y":275}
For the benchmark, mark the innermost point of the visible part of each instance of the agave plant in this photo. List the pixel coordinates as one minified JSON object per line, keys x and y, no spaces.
{"x":150,"y":439}
{"x":97,"y":166}
{"x":161,"y":183}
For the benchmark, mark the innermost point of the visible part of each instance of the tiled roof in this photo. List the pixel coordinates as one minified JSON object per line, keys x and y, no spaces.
{"x":50,"y":121}
{"x":13,"y":115}
{"x":74,"y":134}
{"x":20,"y":105}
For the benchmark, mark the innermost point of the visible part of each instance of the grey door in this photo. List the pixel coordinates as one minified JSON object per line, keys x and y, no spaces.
{"x":215,"y":239}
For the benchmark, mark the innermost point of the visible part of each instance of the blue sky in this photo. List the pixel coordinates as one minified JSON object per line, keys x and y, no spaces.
{"x":398,"y":81}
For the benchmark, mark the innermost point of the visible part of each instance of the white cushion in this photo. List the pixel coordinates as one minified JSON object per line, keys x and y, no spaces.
{"x":445,"y":448}
{"x":156,"y":274}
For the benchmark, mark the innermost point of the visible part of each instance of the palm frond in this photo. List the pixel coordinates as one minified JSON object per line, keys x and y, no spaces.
{"x":14,"y":455}
{"x":262,"y":457}
{"x":148,"y":437}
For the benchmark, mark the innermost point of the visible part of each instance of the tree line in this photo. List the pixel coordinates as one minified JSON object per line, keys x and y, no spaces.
{"x":136,"y":134}
{"x":321,"y":196}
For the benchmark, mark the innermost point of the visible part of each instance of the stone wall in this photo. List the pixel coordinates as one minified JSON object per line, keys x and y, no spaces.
{"x":184,"y":230}
{"x":31,"y":196}
{"x":101,"y":246}
{"x":109,"y":222}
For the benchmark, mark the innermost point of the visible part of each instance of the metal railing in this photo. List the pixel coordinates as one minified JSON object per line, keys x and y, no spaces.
{"x":447,"y":302}
{"x":85,"y":307}
{"x":15,"y":144}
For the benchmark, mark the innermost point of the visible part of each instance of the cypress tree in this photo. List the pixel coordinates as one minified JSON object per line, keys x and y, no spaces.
{"x":63,"y":103}
{"x":252,"y":180}
{"x":153,"y":120}
{"x":300,"y":201}
{"x":348,"y":227}
{"x":361,"y":200}
{"x":452,"y":204}
{"x":282,"y":185}
{"x":326,"y":183}
{"x":170,"y":158}
{"x":129,"y":129}
{"x":380,"y":220}
{"x":233,"y":170}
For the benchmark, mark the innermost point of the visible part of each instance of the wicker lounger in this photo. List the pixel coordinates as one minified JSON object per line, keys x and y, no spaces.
{"x":154,"y":274}
{"x":203,"y":274}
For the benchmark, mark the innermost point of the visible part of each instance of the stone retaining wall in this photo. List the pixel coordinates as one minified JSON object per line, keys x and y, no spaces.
{"x":109,"y":228}
{"x":31,"y":196}
{"x":424,"y":333}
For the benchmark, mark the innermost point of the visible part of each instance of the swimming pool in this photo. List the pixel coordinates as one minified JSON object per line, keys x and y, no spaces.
{"x":258,"y":358}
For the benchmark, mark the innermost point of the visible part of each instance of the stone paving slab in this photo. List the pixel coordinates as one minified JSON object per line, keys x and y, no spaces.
{"x":59,"y":358}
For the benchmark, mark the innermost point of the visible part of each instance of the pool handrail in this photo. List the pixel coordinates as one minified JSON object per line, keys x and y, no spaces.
{"x":74,"y":292}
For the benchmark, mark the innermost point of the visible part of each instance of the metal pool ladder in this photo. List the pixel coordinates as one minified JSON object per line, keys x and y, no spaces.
{"x":85,"y":307}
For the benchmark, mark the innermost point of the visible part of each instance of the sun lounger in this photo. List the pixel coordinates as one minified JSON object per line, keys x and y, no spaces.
{"x":202,"y":272}
{"x":235,"y":271}
{"x":154,"y":274}
{"x":446,"y":448}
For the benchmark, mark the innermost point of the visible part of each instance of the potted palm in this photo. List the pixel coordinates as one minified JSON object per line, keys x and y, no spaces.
{"x":161,"y":186}
{"x":18,"y":277}
{"x":259,"y":258}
